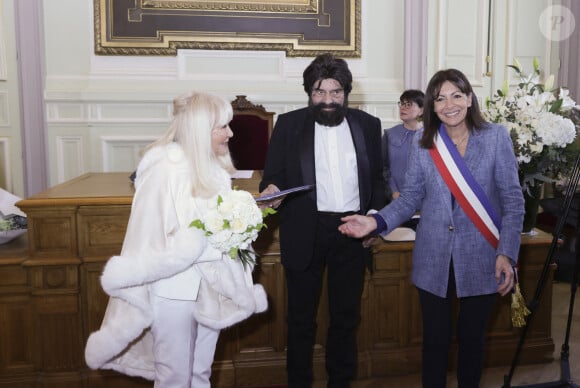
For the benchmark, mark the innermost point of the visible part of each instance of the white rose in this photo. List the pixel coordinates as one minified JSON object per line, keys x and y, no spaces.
{"x":238,"y":225}
{"x":213,"y":221}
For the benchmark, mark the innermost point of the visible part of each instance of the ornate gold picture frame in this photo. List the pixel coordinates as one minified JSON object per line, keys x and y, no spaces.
{"x":161,"y":27}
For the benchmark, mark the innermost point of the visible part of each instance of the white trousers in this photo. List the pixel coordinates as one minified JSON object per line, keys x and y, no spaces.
{"x":183,"y":348}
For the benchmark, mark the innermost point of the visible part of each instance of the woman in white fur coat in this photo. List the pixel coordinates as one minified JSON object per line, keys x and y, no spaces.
{"x":170,"y":291}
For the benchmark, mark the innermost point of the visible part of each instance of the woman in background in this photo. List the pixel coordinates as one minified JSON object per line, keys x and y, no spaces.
{"x":170,"y":291}
{"x":397,"y":140}
{"x":452,"y":257}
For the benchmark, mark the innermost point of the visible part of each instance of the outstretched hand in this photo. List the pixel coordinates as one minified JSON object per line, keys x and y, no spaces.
{"x":357,"y":226}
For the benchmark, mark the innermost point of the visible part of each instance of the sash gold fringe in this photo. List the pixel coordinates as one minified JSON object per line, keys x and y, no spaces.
{"x":519,"y":310}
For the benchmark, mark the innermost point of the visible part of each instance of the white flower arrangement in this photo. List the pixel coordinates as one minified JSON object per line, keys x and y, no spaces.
{"x":232,"y":223}
{"x":11,"y":226}
{"x":539,"y":124}
{"x":13,"y":222}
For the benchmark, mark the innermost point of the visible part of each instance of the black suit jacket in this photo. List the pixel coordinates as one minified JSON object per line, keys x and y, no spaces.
{"x":290,"y":162}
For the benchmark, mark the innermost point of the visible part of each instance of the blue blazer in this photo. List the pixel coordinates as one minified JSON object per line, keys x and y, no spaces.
{"x":445,"y":231}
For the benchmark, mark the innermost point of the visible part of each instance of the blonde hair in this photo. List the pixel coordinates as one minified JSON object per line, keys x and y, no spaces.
{"x":195,"y":115}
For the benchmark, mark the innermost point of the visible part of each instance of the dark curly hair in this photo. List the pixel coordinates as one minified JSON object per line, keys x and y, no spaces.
{"x":327,"y":66}
{"x":431,"y":121}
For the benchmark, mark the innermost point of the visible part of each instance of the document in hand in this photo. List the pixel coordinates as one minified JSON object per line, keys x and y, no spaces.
{"x":282,"y":193}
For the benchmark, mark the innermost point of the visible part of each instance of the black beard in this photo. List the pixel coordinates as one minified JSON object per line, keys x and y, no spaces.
{"x":328,"y":118}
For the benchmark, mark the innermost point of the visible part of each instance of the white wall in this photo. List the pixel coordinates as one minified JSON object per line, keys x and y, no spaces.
{"x":101,"y":110}
{"x":11,"y":164}
{"x":458,"y":38}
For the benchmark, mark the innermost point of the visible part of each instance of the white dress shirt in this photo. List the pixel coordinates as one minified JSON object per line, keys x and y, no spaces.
{"x":336,"y":169}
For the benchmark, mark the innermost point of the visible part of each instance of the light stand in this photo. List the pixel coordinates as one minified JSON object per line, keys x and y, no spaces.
{"x":565,"y":379}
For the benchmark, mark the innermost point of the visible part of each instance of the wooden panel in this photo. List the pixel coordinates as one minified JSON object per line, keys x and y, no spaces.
{"x":12,"y":277}
{"x":19,"y":381}
{"x":415,"y":331}
{"x":109,"y":379}
{"x":102,"y":230}
{"x":259,"y":333}
{"x":386,"y":330}
{"x":52,"y":233}
{"x":93,"y":298}
{"x":16,"y":327}
{"x":57,"y":332}
{"x":52,"y":279}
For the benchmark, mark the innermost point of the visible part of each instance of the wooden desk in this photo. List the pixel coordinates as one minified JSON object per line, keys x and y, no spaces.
{"x":51,"y":300}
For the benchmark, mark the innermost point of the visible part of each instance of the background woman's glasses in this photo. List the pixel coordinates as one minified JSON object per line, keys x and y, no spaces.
{"x":405,"y":104}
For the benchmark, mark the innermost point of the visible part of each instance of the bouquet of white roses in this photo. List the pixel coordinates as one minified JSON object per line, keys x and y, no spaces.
{"x":232,"y":223}
{"x":539,"y":124}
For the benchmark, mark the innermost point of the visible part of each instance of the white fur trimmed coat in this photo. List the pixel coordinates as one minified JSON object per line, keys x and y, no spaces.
{"x":162,"y":255}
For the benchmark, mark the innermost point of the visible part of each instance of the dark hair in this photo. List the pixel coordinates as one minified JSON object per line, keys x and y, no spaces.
{"x":431,"y":121}
{"x":413,"y":95}
{"x":327,"y":66}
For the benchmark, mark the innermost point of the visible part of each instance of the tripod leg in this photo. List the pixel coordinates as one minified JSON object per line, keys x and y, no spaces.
{"x":565,"y":353}
{"x":568,"y":198}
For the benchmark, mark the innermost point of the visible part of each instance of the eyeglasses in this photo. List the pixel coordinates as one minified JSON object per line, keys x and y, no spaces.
{"x":333,"y":93}
{"x":405,"y":104}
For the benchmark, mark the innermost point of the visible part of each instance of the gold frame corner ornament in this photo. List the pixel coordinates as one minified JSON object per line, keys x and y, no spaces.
{"x":301,"y":28}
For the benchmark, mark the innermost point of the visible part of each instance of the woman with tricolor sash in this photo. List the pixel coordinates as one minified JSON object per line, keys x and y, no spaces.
{"x":463,"y":175}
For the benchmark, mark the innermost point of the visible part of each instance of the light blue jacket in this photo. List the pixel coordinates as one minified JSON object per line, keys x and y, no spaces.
{"x":445,"y":231}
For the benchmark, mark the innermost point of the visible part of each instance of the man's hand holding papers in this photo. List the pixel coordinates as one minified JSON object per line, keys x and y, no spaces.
{"x":272,"y":196}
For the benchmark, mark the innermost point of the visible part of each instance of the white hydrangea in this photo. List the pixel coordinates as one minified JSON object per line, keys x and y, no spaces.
{"x":232,"y":222}
{"x":555,"y":130}
{"x":533,"y":115}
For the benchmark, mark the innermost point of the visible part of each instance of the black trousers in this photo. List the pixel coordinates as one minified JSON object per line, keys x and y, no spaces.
{"x":343,"y":258}
{"x":474,"y":313}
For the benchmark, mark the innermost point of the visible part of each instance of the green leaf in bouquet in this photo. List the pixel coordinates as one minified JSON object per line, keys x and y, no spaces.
{"x":268,"y":211}
{"x":197,"y":224}
{"x":246,"y":256}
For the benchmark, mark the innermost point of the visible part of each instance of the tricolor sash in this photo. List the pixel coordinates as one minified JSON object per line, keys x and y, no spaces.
{"x":464,"y":188}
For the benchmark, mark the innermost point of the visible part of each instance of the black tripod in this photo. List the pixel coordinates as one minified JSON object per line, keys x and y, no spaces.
{"x":565,"y":379}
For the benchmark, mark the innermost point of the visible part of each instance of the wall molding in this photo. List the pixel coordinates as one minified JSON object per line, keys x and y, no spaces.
{"x":70,"y":160}
{"x":130,"y":112}
{"x":3,"y":64}
{"x":6,"y":173}
{"x":122,"y":153}
{"x":4,"y":109}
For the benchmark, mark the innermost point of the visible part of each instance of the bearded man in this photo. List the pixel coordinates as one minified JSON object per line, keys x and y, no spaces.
{"x":338,"y":150}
